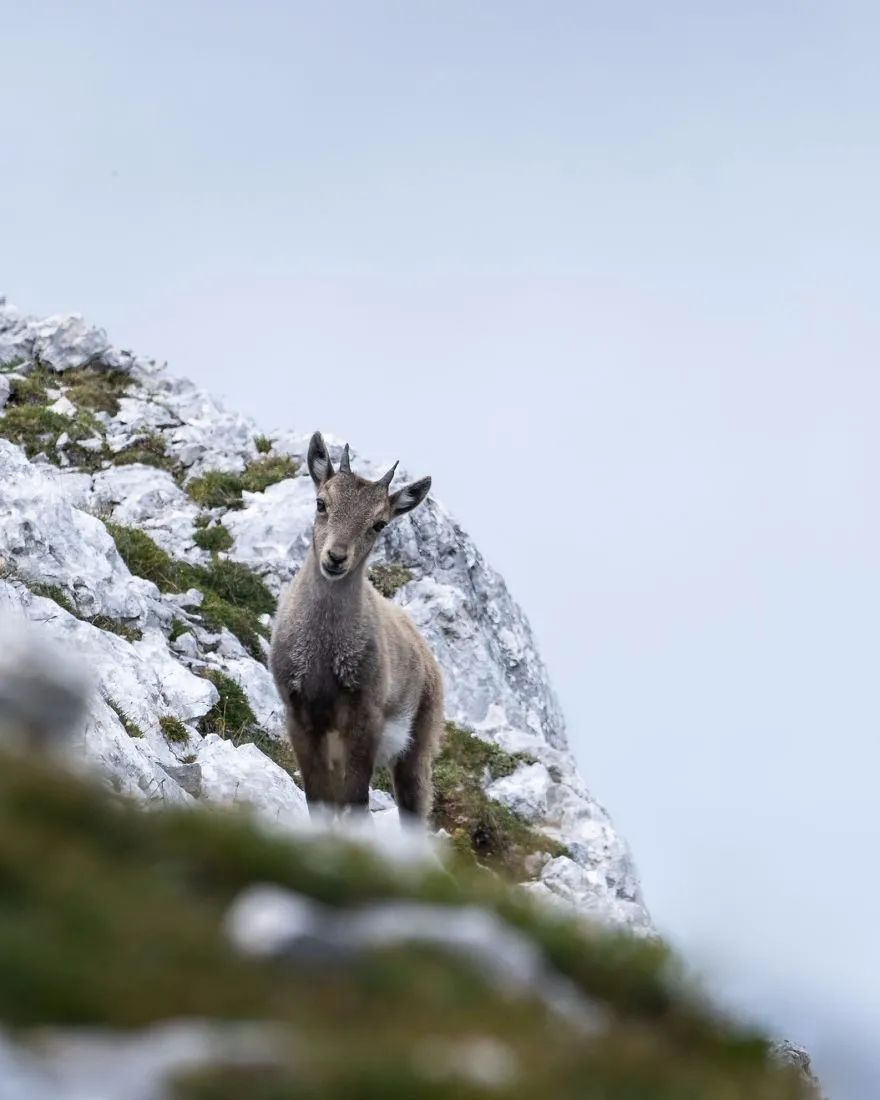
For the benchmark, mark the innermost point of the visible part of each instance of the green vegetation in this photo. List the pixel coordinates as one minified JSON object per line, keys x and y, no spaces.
{"x":146,"y":559}
{"x":56,"y":593}
{"x":263,"y":444}
{"x":32,"y":388}
{"x":175,"y":731}
{"x":234,"y":596}
{"x":28,"y":422}
{"x":114,"y":918}
{"x":128,"y":723}
{"x":37,"y":429}
{"x":148,"y":450}
{"x":124,"y":630}
{"x":216,"y":489}
{"x":178,"y":627}
{"x":95,"y":390}
{"x":232,"y":718}
{"x":102,"y":622}
{"x":491,"y":832}
{"x":220,"y":489}
{"x":263,"y":472}
{"x":388,"y":578}
{"x":214,"y":538}
{"x":231,"y":715}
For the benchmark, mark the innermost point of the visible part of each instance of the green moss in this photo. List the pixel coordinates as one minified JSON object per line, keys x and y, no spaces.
{"x":128,"y":723}
{"x":264,"y":472}
{"x":148,"y":450}
{"x":213,"y":538}
{"x":388,"y":578}
{"x":216,"y":489}
{"x":114,"y":918}
{"x":175,"y":731}
{"x":263,"y":444}
{"x":178,"y":627}
{"x":95,"y":390}
{"x":495,"y":835}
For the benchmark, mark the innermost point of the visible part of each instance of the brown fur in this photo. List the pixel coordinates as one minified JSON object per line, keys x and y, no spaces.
{"x":349,"y":664}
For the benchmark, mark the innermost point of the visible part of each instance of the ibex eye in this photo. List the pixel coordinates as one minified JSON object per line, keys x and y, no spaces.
{"x":321,"y":505}
{"x":377,"y":527}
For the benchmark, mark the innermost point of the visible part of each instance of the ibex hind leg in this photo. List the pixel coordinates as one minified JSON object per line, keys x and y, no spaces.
{"x":413,"y":785}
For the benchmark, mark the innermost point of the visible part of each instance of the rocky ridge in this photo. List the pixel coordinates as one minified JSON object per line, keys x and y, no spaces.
{"x":97,"y":443}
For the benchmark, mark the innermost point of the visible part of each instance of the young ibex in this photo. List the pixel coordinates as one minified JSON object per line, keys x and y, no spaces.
{"x":359,"y":683}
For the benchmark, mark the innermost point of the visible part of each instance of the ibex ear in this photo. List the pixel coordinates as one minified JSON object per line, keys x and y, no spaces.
{"x":320,"y":466}
{"x":410,"y":496}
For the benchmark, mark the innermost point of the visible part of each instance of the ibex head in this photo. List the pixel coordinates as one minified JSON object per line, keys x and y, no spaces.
{"x":351,"y":511}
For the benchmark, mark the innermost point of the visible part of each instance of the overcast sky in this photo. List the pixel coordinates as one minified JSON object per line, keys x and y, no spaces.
{"x":609,"y":273}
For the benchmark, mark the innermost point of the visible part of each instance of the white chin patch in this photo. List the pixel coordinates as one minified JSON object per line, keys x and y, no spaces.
{"x":395,"y":739}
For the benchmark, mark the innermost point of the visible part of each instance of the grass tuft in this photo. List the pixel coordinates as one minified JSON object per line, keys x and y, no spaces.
{"x":54,"y":592}
{"x":263,"y":444}
{"x":114,"y":626}
{"x":147,"y":450}
{"x":175,"y":731}
{"x":221,"y":489}
{"x":145,"y":558}
{"x":128,"y":723}
{"x":231,"y":715}
{"x":32,"y":389}
{"x":215,"y":538}
{"x":216,"y":489}
{"x":96,"y":390}
{"x":264,"y":472}
{"x":388,"y":578}
{"x":102,"y":622}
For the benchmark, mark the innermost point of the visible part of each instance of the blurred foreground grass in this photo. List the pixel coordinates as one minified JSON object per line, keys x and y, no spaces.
{"x":112,"y":915}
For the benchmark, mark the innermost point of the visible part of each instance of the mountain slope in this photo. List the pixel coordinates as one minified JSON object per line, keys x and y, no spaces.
{"x":151,"y":530}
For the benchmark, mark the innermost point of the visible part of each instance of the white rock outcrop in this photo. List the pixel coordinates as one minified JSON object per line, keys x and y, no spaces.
{"x":52,"y":533}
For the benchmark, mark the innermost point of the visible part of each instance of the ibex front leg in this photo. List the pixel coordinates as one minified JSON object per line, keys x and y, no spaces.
{"x":360,"y":760}
{"x":316,"y":775}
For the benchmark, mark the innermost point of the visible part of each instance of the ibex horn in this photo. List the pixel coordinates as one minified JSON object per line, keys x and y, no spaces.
{"x":345,"y":461}
{"x":386,"y":479}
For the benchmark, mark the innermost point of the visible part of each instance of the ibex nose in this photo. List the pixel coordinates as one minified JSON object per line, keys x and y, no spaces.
{"x":338,"y":557}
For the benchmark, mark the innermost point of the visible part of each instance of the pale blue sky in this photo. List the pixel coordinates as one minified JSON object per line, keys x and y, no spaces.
{"x":609,"y":273}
